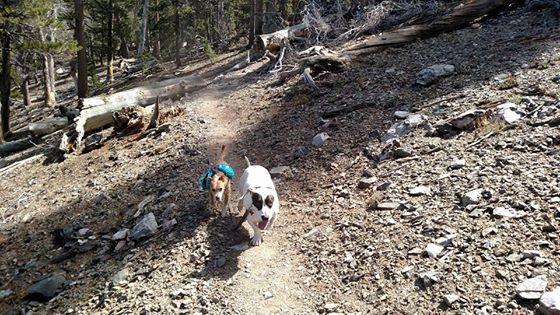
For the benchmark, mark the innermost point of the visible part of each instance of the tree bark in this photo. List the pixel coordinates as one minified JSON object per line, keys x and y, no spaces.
{"x":47,"y":126}
{"x":123,"y":48}
{"x":10,"y":147}
{"x":252,"y":23}
{"x":25,"y":90}
{"x":157,"y":43}
{"x":110,"y":54}
{"x":259,"y":16}
{"x":48,"y":73}
{"x":82,"y":59}
{"x":5,"y":84}
{"x":143,"y":29}
{"x":177,"y":35}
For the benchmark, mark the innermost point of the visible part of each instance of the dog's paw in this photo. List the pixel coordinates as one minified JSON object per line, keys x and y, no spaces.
{"x":256,"y":240}
{"x":224,"y":213}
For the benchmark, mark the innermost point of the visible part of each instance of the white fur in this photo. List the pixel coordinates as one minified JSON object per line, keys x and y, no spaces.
{"x":257,"y":179}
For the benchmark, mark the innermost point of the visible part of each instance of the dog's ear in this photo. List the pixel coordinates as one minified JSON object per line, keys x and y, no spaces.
{"x":257,"y":200}
{"x":269,"y":201}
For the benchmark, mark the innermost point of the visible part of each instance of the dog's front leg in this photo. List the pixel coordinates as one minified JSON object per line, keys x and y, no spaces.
{"x":257,"y":238}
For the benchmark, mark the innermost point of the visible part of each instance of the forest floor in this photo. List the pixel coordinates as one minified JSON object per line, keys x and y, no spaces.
{"x":357,"y":213}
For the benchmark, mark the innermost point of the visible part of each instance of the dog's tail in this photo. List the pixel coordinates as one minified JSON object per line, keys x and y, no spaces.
{"x":222,"y":153}
{"x":248,"y":162}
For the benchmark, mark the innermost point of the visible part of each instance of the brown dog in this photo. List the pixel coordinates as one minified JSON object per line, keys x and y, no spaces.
{"x":220,"y":188}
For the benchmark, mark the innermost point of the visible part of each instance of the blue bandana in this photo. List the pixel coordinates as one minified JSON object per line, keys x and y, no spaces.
{"x":204,"y":180}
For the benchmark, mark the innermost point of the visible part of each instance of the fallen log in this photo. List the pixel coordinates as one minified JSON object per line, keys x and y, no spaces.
{"x":460,"y":16}
{"x":97,"y":111}
{"x":146,"y":95}
{"x":48,"y":126}
{"x":8,"y":148}
{"x":274,"y":41}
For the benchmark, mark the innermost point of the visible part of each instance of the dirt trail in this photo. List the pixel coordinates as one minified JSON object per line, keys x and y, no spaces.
{"x":268,"y":282}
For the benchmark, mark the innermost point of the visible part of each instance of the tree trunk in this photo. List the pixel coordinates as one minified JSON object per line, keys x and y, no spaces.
{"x":25,"y":90}
{"x":8,"y":148}
{"x":48,"y":73}
{"x":82,"y":59}
{"x":47,"y":126}
{"x":177,"y":35}
{"x":123,"y":48}
{"x":110,"y":14}
{"x":252,"y":23}
{"x":283,"y":9}
{"x":259,"y":15}
{"x":157,"y":44}
{"x":5,"y":84}
{"x":143,"y":29}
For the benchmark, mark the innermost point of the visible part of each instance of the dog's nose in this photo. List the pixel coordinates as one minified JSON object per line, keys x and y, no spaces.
{"x":264,"y":217}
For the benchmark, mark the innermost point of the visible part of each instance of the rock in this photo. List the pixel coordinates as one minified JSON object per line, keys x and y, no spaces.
{"x":431,"y":74}
{"x":388,"y":206}
{"x":489,"y":230}
{"x":420,"y":190}
{"x":400,"y":129}
{"x":509,"y":112}
{"x":433,"y":250}
{"x":301,"y":152}
{"x":240,"y":247}
{"x":401,"y":114}
{"x":320,"y":139}
{"x":331,"y":307}
{"x":472,"y":197}
{"x":450,"y":299}
{"x":121,"y":276}
{"x":366,"y":182}
{"x":549,"y":304}
{"x":403,"y":152}
{"x":428,"y":278}
{"x":446,"y":240}
{"x":120,"y":235}
{"x":281,"y":171}
{"x":530,"y":254}
{"x":46,"y":288}
{"x":169,"y":224}
{"x":457,"y":164}
{"x":268,"y":295}
{"x":5,"y":293}
{"x":314,"y":231}
{"x":84,"y":232}
{"x":120,"y":245}
{"x":533,"y":288}
{"x":384,"y":185}
{"x":26,"y":218}
{"x":145,"y":228}
{"x":502,"y":212}
{"x":145,"y":202}
{"x":546,"y":111}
